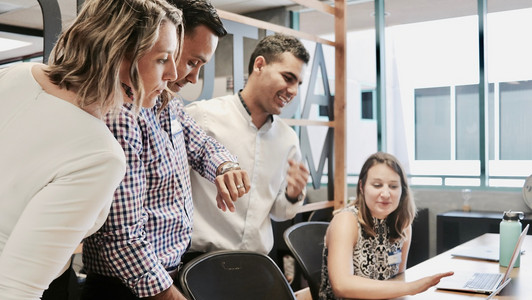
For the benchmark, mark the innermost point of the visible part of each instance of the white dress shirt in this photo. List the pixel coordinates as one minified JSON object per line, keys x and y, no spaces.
{"x":264,"y":154}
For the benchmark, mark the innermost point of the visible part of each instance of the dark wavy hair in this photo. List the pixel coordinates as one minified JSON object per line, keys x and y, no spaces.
{"x":200,"y":12}
{"x":271,"y":47}
{"x":403,"y":216}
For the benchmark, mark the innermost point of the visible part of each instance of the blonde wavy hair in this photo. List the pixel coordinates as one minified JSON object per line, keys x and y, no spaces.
{"x":405,"y":213}
{"x":87,"y":56}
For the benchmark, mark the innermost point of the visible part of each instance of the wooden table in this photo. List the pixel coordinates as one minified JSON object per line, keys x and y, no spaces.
{"x":520,"y":288}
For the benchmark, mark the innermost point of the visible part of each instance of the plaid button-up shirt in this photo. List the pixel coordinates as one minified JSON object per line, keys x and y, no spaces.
{"x":150,"y":222}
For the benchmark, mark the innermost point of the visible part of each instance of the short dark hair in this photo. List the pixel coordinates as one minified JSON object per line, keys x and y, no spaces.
{"x":199,"y":12}
{"x":272,"y":46}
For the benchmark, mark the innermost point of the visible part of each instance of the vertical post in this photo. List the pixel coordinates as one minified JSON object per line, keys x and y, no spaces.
{"x":79,"y":4}
{"x":51,"y":20}
{"x":340,"y":170}
{"x":294,"y":20}
{"x":381,"y":75}
{"x":483,"y":93}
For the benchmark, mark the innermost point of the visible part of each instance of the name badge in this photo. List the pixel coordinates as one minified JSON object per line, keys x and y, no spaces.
{"x":175,"y":126}
{"x":394,"y":258}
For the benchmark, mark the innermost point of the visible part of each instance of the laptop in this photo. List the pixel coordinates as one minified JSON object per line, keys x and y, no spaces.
{"x":484,"y":283}
{"x":484,"y":252}
{"x":489,"y":253}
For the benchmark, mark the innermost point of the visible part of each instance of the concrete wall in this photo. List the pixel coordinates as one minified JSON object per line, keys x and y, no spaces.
{"x":442,"y":200}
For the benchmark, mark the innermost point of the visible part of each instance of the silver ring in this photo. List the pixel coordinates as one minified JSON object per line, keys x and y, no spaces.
{"x":239,"y":186}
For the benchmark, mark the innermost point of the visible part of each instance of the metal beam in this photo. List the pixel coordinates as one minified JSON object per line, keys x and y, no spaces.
{"x":51,"y":19}
{"x":483,"y":93}
{"x":380,"y":46}
{"x":21,"y":30}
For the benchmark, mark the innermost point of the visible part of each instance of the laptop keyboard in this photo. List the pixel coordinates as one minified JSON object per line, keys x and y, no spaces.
{"x":483,"y":281}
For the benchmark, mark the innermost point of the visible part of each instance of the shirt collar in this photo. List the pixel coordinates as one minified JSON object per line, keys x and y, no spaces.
{"x":246,"y":107}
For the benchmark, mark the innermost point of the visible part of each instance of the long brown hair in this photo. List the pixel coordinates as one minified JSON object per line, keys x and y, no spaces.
{"x":403,"y":216}
{"x":87,"y":56}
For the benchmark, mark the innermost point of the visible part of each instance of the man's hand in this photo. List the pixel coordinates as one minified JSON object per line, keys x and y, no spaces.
{"x":297,"y":179}
{"x":231,"y":186}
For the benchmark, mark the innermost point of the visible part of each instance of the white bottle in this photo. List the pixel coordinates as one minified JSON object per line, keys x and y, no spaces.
{"x":510,"y":229}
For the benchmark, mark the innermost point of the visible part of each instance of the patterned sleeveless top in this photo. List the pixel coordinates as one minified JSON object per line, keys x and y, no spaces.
{"x":372,"y":256}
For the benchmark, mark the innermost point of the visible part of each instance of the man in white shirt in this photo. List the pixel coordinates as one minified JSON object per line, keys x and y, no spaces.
{"x":266,"y":147}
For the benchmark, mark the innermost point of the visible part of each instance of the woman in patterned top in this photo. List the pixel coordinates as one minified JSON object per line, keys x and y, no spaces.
{"x":368,"y":242}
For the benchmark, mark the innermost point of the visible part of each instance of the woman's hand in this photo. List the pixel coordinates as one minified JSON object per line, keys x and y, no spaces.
{"x":425,"y":283}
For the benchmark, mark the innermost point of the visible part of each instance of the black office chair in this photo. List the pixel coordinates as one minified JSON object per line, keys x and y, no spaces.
{"x":234,"y":275}
{"x":305,"y":241}
{"x":321,"y":215}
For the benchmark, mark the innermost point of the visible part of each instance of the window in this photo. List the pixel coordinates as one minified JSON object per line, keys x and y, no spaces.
{"x":433,"y":112}
{"x":433,"y":124}
{"x":446,"y":115}
{"x":368,"y":105}
{"x":516,"y":121}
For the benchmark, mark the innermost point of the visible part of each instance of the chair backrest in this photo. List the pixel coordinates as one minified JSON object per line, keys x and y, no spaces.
{"x":305,"y":241}
{"x":226,"y":274}
{"x":321,"y":215}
